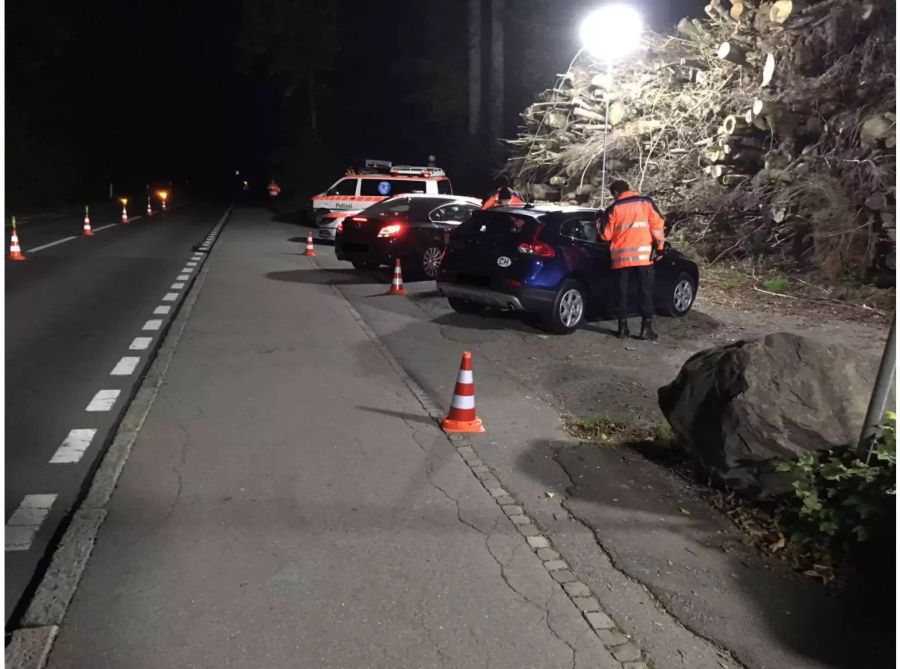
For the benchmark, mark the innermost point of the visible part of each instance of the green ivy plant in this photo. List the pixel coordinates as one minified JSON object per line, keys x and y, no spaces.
{"x":838,"y":497}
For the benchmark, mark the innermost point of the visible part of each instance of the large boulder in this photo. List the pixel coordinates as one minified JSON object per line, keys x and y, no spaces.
{"x":740,"y":407}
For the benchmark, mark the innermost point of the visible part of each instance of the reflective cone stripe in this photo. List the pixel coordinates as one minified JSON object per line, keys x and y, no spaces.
{"x":124,"y":215}
{"x":86,"y":229}
{"x":310,"y":249}
{"x":163,"y":205}
{"x":397,"y":282}
{"x":149,"y":210}
{"x":15,"y":251}
{"x":462,"y":416}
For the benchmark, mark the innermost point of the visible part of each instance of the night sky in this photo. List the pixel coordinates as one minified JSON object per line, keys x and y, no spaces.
{"x":137,"y":91}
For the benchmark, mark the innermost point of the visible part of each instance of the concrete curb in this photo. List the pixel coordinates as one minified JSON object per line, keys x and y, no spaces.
{"x":30,"y":645}
{"x":625,"y":653}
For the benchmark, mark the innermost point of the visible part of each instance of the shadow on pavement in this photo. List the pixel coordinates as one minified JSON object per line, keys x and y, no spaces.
{"x":657,"y":528}
{"x":492,"y":320}
{"x":409,"y":417}
{"x":327,"y":277}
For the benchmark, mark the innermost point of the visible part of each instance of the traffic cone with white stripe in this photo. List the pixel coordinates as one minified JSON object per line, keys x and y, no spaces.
{"x":462,"y":416}
{"x":397,"y":282}
{"x":149,"y":209}
{"x":124,"y":214}
{"x":15,"y":251}
{"x":87,"y":231}
{"x":310,"y":249}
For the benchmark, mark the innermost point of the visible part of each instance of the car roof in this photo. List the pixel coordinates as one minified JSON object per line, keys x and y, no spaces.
{"x":450,"y":197}
{"x":398,"y":177}
{"x":536,"y":211}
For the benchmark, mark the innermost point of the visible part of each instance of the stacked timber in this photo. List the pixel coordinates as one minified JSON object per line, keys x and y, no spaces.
{"x":767,"y":129}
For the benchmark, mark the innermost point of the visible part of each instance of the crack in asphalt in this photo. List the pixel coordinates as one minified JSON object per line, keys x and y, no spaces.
{"x":725,"y":653}
{"x":543,"y":607}
{"x":186,"y":441}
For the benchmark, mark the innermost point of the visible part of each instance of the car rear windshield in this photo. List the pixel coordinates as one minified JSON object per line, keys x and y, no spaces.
{"x":387,"y":187}
{"x":398,"y":205}
{"x":498,"y":226}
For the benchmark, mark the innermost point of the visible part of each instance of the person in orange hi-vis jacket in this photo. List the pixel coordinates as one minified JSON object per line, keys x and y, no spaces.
{"x":636,"y":232}
{"x":502,"y":195}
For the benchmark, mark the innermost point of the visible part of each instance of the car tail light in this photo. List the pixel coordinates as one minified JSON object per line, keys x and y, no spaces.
{"x":536,"y":248}
{"x":340,"y":227}
{"x":360,"y":219}
{"x":392,"y":230}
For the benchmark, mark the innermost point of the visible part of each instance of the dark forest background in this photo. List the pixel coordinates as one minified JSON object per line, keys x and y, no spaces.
{"x":136,"y":92}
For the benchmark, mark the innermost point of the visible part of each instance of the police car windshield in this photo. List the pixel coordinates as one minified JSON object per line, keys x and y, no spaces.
{"x":387,"y":187}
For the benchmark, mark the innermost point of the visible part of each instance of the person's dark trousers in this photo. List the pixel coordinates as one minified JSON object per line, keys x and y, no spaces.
{"x":644,"y":276}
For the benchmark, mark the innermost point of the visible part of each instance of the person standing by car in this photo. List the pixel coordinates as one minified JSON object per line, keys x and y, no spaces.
{"x":636,"y":232}
{"x":502,"y":195}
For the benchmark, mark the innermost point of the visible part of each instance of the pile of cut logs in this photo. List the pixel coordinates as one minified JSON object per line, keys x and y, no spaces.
{"x":766,"y":130}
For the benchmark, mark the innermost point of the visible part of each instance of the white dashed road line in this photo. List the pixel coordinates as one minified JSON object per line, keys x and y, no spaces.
{"x":47,"y":246}
{"x":103,"y":400}
{"x":182,"y":277}
{"x":125,"y":366}
{"x":178,"y":285}
{"x":170,"y":297}
{"x":73,"y":446}
{"x":187,"y":270}
{"x":162,"y":310}
{"x":104,"y":227}
{"x":140,"y":344}
{"x":25,"y":522}
{"x":152,"y":324}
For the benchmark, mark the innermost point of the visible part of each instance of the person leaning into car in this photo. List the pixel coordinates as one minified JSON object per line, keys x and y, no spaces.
{"x":636,"y":232}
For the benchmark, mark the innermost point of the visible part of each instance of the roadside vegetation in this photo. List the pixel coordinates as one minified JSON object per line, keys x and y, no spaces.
{"x":838,"y":518}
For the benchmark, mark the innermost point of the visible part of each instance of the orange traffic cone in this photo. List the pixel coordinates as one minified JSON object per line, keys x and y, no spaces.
{"x":310,"y":249}
{"x":86,"y":230}
{"x":462,"y":416}
{"x":397,"y":282}
{"x":124,"y":214}
{"x":149,"y":209}
{"x":15,"y":251}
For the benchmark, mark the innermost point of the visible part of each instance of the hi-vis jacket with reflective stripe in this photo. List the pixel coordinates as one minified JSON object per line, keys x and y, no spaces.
{"x":633,"y":228}
{"x":493,"y":200}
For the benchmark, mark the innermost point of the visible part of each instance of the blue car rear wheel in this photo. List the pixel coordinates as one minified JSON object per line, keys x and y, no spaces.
{"x":568,"y":308}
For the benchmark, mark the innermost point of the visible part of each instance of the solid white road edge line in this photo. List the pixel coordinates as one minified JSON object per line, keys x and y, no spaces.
{"x":73,"y":446}
{"x":23,"y":525}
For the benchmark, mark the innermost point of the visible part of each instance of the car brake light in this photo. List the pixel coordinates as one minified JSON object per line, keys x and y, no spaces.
{"x":391,"y":230}
{"x":340,"y":227}
{"x":360,"y":219}
{"x":537,"y":249}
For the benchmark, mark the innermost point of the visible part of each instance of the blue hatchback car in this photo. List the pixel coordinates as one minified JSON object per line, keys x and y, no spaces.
{"x":549,"y":261}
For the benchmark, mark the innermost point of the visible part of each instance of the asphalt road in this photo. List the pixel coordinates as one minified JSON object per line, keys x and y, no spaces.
{"x":73,"y":310}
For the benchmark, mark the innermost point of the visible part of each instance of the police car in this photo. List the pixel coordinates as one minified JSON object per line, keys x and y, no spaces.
{"x":377,"y":181}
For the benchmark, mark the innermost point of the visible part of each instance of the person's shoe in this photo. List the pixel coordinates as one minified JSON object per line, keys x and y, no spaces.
{"x":623,"y":332}
{"x":647,"y":331}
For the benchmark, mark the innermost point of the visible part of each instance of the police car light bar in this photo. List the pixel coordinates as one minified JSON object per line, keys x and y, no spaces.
{"x":416,"y":171}
{"x":378,"y":164}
